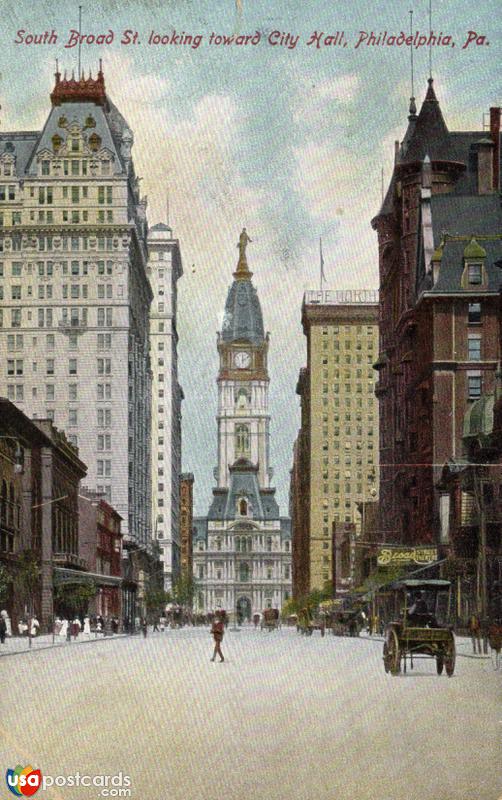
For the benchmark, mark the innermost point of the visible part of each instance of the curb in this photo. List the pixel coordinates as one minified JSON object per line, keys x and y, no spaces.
{"x":65,"y":644}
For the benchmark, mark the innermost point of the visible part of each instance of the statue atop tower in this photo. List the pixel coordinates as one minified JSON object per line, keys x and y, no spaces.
{"x":242,"y":272}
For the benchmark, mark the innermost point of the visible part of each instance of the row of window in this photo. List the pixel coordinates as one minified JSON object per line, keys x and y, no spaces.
{"x":15,"y":342}
{"x":46,"y":268}
{"x":349,"y":330}
{"x":245,"y":573}
{"x":55,"y":217}
{"x":75,"y":167}
{"x":15,"y":367}
{"x":73,"y":317}
{"x":73,"y":291}
{"x":47,"y":243}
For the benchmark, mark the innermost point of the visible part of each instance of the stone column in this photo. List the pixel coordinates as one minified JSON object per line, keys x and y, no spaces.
{"x":46,"y":610}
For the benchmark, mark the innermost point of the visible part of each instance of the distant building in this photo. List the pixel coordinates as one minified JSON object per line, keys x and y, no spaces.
{"x":40,"y":472}
{"x":100,"y":544}
{"x":186,"y":524}
{"x":440,"y":253}
{"x":164,"y":270}
{"x":242,"y":549}
{"x":335,"y":465}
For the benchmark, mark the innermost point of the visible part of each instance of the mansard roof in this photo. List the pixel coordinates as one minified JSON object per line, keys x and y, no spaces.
{"x":465,"y":227}
{"x":244,"y":484}
{"x":243,"y":320}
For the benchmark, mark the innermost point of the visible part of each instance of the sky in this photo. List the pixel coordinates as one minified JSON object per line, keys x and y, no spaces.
{"x":289,"y":142}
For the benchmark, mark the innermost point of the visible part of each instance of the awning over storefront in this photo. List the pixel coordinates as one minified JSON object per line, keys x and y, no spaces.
{"x":66,"y":575}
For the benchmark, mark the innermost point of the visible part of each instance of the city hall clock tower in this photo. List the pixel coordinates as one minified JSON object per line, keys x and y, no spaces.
{"x":242,"y":549}
{"x":243,"y":415}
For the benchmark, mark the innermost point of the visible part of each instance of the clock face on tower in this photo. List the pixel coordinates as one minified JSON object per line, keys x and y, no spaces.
{"x":242,"y":360}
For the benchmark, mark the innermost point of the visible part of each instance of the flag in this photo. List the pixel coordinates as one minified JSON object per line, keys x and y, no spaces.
{"x":323,"y":276}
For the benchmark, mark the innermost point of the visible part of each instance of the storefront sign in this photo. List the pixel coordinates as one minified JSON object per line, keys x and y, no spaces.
{"x":390,"y":556}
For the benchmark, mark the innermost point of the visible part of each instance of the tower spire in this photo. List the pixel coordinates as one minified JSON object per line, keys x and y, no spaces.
{"x":242,"y":272}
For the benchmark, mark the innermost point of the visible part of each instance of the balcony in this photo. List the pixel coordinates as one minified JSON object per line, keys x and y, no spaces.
{"x":73,"y":324}
{"x":69,"y":560}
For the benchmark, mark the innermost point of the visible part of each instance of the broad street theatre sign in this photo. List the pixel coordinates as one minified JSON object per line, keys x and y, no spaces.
{"x":390,"y":556}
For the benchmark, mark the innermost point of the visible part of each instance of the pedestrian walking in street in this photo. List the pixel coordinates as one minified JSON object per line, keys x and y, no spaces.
{"x":63,"y":631}
{"x":35,"y":626}
{"x":475,"y":633}
{"x":75,"y":627}
{"x":3,"y":630}
{"x":144,"y":626}
{"x":6,"y":618}
{"x":218,"y":631}
{"x":87,"y":625}
{"x":155,"y":625}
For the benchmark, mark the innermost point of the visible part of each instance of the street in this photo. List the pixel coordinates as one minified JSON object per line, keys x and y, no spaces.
{"x":285,"y":717}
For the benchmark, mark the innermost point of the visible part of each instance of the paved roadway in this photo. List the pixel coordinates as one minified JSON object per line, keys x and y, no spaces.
{"x":284,"y":718}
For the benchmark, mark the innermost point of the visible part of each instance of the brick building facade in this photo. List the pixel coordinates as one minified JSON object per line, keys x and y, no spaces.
{"x":439,"y":254}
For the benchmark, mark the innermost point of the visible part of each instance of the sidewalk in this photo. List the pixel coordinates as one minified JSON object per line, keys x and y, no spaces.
{"x":14,"y":645}
{"x":463,"y":645}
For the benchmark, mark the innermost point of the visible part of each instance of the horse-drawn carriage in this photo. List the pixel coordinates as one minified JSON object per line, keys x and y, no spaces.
{"x":421,"y":630}
{"x":270,"y":619}
{"x":309,"y":621}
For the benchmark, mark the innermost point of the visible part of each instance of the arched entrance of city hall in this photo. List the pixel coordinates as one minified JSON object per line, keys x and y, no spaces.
{"x":244,"y":608}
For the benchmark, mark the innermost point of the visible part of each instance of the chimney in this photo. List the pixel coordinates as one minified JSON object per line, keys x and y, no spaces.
{"x":495,"y":135}
{"x":485,"y":150}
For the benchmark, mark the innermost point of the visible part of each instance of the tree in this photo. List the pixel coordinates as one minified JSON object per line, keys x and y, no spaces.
{"x":291,"y":606}
{"x":184,"y":590}
{"x":155,"y":599}
{"x":74,"y":598}
{"x":5,"y":580}
{"x":26,"y":580}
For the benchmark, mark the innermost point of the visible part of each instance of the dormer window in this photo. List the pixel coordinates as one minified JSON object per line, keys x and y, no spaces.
{"x":243,"y":507}
{"x":74,"y":144}
{"x":94,"y":142}
{"x":475,"y":274}
{"x":56,"y":142}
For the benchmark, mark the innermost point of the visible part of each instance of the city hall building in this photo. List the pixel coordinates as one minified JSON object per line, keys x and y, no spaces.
{"x":242,"y":549}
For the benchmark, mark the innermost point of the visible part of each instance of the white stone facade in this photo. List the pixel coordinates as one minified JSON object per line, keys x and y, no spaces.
{"x":242,"y":549}
{"x":164,"y":270}
{"x":75,"y":295}
{"x":242,"y":565}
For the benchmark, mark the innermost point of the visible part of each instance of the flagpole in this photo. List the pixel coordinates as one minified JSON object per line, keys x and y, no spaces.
{"x":321,"y":263}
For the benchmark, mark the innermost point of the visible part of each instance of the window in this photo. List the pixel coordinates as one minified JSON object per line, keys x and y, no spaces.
{"x":72,"y":366}
{"x":16,"y":292}
{"x":72,"y":391}
{"x":474,"y":385}
{"x":15,"y":317}
{"x":474,"y":314}
{"x":242,"y":439}
{"x":72,"y":417}
{"x":104,"y":441}
{"x":104,"y":366}
{"x":475,"y":274}
{"x":49,"y":391}
{"x":49,"y":366}
{"x":474,"y":347}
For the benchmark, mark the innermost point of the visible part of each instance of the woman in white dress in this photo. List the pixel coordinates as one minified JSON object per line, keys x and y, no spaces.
{"x":87,"y":626}
{"x":63,"y":629}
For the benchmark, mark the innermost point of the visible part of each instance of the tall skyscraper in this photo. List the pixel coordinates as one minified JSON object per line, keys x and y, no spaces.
{"x":76,"y":297}
{"x":242,"y":553}
{"x":336,"y":453}
{"x":164,"y":270}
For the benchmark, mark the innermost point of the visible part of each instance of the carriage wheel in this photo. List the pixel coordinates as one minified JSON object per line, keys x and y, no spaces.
{"x":393,"y":653}
{"x":449,"y":658}
{"x":439,"y":664}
